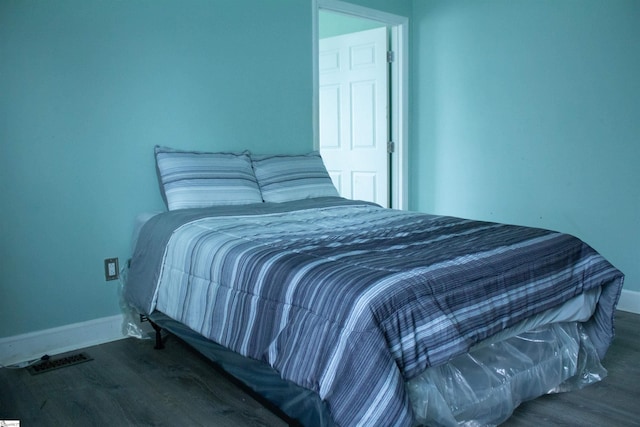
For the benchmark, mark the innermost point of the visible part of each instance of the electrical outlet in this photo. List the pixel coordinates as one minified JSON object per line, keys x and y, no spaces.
{"x":111,"y":268}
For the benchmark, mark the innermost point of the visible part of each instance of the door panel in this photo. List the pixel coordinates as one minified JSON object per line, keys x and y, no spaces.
{"x":330,"y":116}
{"x":364,"y":185}
{"x":354,"y":127}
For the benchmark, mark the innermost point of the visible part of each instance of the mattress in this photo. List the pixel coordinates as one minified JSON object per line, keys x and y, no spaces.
{"x":352,"y":301}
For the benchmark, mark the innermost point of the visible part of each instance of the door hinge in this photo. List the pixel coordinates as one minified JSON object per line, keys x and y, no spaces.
{"x":391,"y":56}
{"x":391,"y":147}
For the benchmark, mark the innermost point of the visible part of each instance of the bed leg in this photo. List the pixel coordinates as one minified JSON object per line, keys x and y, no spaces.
{"x":159,"y":344}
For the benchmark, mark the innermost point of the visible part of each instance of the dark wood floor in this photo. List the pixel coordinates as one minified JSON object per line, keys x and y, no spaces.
{"x":129,"y":383}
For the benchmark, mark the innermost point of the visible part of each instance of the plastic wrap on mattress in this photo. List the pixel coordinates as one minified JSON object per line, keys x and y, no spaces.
{"x":483,"y":387}
{"x":131,"y":326}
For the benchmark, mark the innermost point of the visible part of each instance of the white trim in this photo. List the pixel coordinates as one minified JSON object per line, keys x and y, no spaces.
{"x":361,"y":11}
{"x":629,"y":301}
{"x":34,"y":345}
{"x":400,"y":88}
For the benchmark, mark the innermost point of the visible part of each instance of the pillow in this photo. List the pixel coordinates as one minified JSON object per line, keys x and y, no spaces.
{"x":292,"y":177}
{"x":195,"y":179}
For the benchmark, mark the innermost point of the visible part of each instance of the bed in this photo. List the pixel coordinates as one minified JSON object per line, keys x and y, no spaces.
{"x":341,"y":312}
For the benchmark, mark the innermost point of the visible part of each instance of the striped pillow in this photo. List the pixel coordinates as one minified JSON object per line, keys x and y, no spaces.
{"x":194,"y":179}
{"x":292,"y":177}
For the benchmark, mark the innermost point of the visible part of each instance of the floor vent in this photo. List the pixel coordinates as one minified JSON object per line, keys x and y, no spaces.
{"x":62,"y":362}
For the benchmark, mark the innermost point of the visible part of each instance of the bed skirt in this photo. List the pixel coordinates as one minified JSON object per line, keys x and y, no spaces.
{"x":482,"y":387}
{"x":299,"y":405}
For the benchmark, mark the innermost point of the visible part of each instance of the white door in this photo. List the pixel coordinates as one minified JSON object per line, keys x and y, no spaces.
{"x":353,"y":114}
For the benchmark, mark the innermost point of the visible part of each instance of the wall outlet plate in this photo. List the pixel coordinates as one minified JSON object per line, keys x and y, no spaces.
{"x":111,"y":270}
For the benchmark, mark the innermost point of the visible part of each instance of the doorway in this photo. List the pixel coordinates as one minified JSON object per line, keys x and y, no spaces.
{"x":379,"y":137}
{"x":354,"y":113}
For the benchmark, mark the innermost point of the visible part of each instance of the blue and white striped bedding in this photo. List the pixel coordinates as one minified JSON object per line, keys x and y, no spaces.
{"x":283,"y":178}
{"x":195,"y":179}
{"x":351,"y":300}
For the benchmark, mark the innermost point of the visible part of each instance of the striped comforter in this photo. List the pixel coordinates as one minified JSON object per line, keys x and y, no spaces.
{"x":349,"y":299}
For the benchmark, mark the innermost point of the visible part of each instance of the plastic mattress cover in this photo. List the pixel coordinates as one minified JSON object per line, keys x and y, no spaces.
{"x":480,"y":388}
{"x":484,"y":386}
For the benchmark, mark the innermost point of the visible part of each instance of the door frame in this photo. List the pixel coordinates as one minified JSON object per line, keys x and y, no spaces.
{"x":399,"y":84}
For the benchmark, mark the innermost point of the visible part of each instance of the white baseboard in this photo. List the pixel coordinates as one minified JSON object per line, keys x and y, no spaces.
{"x":629,"y":301}
{"x":34,"y":345}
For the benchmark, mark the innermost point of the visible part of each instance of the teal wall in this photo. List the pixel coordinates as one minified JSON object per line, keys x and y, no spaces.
{"x":528,"y":112}
{"x":87,"y":88}
{"x":521,"y":111}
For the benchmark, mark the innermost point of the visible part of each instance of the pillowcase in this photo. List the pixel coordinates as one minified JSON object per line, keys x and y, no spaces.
{"x":292,"y":177}
{"x":196,"y":179}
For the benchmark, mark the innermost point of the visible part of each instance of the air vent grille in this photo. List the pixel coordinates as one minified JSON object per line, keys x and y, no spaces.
{"x":61,"y":362}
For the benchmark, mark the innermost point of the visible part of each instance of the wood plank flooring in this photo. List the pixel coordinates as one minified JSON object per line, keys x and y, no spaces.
{"x":130,"y":384}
